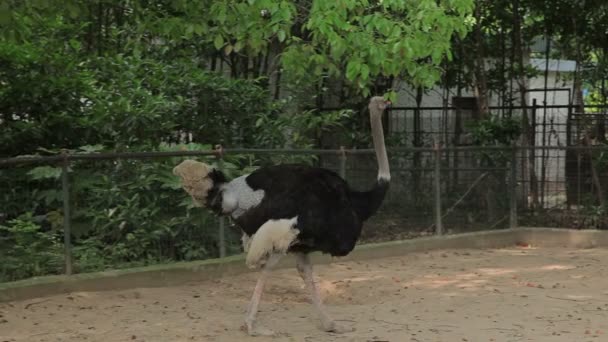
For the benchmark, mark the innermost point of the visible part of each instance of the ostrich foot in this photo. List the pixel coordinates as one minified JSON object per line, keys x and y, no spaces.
{"x":254,"y":330}
{"x":336,"y":328}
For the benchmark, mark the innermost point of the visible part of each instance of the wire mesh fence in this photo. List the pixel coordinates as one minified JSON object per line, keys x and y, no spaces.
{"x":86,"y":212}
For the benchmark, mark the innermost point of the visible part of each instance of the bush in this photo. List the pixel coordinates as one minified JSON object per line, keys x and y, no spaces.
{"x":26,"y":251}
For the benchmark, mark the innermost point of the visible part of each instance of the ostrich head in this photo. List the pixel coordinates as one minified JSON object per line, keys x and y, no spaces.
{"x":197,"y":179}
{"x":378,"y":104}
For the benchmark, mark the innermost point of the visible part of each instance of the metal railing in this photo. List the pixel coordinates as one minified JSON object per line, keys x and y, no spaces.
{"x":410,"y":161}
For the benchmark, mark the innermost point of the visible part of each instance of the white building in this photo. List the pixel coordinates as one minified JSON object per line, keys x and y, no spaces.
{"x":553,"y":87}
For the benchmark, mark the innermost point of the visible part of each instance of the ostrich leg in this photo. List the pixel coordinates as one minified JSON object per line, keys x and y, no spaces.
{"x":304,"y":267}
{"x":255,"y":299}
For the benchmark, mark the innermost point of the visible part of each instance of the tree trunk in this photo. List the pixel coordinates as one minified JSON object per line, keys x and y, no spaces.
{"x":601,"y":125}
{"x":417,"y":142}
{"x":594,"y":174}
{"x":578,"y":82}
{"x":491,"y":199}
{"x":99,"y":27}
{"x":480,"y":83}
{"x":522,"y":83}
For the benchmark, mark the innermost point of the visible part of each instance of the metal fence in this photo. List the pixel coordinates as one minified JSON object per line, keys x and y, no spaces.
{"x":549,"y":125}
{"x":434,"y":190}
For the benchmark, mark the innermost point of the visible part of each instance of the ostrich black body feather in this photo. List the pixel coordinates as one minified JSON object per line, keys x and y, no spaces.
{"x":329,"y":213}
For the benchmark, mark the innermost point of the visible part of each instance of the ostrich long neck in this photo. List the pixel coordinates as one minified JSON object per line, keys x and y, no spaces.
{"x":378,"y":139}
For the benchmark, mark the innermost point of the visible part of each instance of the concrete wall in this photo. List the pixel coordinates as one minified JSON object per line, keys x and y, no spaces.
{"x":180,"y":273}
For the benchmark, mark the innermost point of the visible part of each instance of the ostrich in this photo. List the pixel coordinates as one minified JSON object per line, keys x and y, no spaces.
{"x":294,"y":209}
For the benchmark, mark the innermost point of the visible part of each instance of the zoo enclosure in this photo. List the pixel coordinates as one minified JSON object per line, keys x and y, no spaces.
{"x":434,"y":190}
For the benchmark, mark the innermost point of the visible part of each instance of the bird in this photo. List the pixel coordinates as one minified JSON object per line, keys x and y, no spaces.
{"x":291,"y":209}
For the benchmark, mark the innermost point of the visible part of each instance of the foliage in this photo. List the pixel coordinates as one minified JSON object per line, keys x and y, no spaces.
{"x":151,"y":100}
{"x":308,"y":41}
{"x":299,"y":131}
{"x":33,"y":116}
{"x":121,"y":102}
{"x":26,"y":250}
{"x":64,"y":89}
{"x":495,"y":131}
{"x":124,"y":213}
{"x":363,"y":40}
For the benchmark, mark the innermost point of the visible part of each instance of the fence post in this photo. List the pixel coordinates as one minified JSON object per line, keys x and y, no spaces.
{"x":67,"y":230}
{"x":222,"y":235}
{"x":222,"y":219}
{"x":437,"y":186}
{"x":513,"y":189}
{"x":342,"y":162}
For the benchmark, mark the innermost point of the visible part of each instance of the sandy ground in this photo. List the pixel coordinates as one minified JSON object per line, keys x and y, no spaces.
{"x":518,"y":294}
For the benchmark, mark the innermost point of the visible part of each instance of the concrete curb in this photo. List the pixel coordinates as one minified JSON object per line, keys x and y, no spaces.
{"x":180,"y":273}
{"x":556,"y":237}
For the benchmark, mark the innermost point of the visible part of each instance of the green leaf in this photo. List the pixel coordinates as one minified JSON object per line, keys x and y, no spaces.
{"x":352,"y":69}
{"x":73,"y":9}
{"x":281,"y":35}
{"x":218,"y":42}
{"x":391,"y":96}
{"x":45,"y":172}
{"x":75,"y":44}
{"x":364,"y":72}
{"x":5,"y":13}
{"x":199,"y":29}
{"x":228,"y":49}
{"x":91,"y":148}
{"x":436,"y":56}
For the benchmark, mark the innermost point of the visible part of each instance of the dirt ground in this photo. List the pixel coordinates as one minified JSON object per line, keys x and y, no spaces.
{"x":517,"y":294}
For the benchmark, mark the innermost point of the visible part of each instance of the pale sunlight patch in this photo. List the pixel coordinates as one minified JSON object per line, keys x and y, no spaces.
{"x":496,"y":271}
{"x":557,"y":267}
